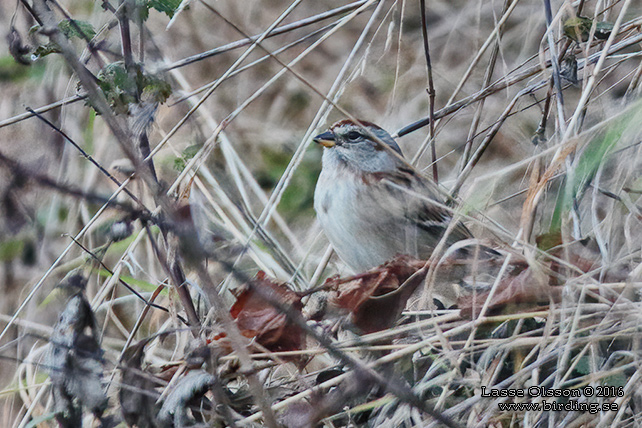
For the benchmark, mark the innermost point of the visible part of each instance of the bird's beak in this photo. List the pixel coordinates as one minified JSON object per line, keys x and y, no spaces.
{"x":326,"y":139}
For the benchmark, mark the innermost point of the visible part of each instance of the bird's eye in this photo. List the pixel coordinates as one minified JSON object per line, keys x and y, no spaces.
{"x":353,"y":135}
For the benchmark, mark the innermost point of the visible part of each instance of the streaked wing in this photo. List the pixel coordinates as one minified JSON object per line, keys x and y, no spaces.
{"x":424,"y":205}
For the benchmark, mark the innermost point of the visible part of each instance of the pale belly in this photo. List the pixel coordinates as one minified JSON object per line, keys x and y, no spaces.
{"x":359,"y":228}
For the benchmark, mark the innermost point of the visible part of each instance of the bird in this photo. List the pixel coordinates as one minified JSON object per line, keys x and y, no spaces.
{"x":372,"y":204}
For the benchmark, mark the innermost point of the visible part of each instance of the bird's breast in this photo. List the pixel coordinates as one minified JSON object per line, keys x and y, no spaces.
{"x":351,"y":217}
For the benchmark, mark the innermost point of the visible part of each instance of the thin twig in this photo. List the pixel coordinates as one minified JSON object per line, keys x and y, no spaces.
{"x":506,"y":82}
{"x":258,"y":61}
{"x":557,"y":81}
{"x":398,"y":389}
{"x":20,"y":171}
{"x":487,"y":140}
{"x":174,"y":270}
{"x":431,"y":92}
{"x":87,"y":156}
{"x":468,"y":72}
{"x":43,"y":109}
{"x":274,"y":32}
{"x":490,"y":69}
{"x":148,"y":303}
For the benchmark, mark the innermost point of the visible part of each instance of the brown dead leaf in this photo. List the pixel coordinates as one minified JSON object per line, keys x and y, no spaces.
{"x":258,"y":319}
{"x":524,"y":291}
{"x":583,"y":254}
{"x":376,"y":298}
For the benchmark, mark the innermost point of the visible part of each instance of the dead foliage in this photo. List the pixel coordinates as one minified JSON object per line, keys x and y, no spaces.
{"x":258,"y":318}
{"x":75,"y":362}
{"x":374,"y":299}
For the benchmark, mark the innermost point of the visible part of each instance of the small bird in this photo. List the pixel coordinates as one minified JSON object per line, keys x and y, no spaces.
{"x":372,"y":204}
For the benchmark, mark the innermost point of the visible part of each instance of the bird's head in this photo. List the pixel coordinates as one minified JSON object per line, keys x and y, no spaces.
{"x":361,"y":145}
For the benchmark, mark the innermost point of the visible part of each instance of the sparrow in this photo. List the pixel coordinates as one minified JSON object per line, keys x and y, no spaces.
{"x":372,"y":204}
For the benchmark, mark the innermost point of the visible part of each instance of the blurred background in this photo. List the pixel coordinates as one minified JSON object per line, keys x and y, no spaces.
{"x":253,"y":179}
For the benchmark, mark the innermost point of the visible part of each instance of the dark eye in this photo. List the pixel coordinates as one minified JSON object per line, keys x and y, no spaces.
{"x":353,"y":136}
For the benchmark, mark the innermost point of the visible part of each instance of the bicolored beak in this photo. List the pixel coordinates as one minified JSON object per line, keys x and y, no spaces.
{"x":326,"y":139}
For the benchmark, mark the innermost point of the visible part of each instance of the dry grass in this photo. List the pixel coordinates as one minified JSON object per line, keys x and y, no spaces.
{"x":233,"y":140}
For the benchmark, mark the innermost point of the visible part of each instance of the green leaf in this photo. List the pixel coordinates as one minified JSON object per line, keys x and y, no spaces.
{"x":122,"y":87}
{"x":579,"y":29}
{"x":603,"y":30}
{"x":583,"y":366}
{"x":186,"y":156}
{"x":74,"y":28}
{"x":156,"y":89}
{"x":141,"y":11}
{"x":137,"y":284}
{"x":119,"y":88}
{"x":44,"y":50}
{"x":35,"y":422}
{"x":617,"y":379}
{"x":589,"y":161}
{"x":168,"y":7}
{"x":547,"y":241}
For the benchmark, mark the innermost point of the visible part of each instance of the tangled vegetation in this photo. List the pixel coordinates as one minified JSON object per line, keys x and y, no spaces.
{"x":161,"y":261}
